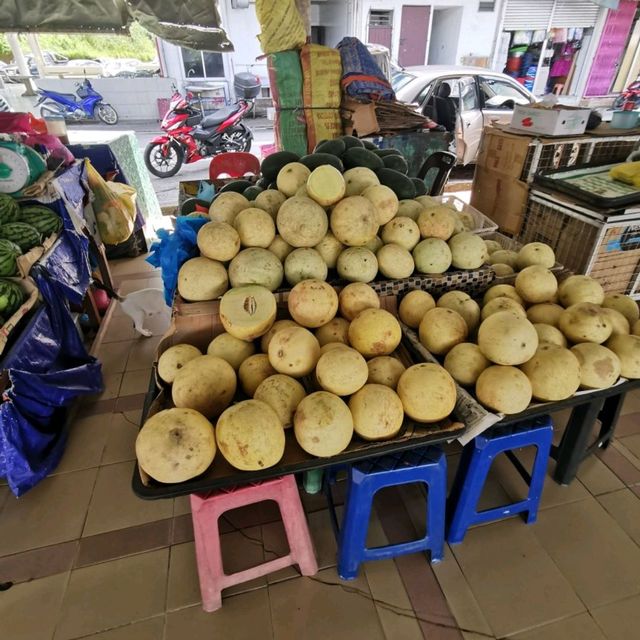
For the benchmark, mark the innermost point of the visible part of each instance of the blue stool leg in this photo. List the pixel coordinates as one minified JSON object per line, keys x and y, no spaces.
{"x":436,"y":508}
{"x":353,"y":532}
{"x":472,"y":480}
{"x":538,"y":474}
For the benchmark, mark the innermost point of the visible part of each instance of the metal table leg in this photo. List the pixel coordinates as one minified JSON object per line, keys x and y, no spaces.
{"x":609,"y":419}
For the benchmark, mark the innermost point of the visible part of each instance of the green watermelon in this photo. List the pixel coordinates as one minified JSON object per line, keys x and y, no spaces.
{"x":9,"y":251}
{"x":11,"y":297}
{"x":23,"y":234}
{"x":42,"y":218}
{"x":9,"y":209}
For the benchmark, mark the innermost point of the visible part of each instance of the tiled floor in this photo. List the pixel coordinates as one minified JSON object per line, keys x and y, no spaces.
{"x":87,"y":559}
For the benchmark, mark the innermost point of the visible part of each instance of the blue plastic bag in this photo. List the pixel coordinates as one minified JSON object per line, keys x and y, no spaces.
{"x":173,"y":250}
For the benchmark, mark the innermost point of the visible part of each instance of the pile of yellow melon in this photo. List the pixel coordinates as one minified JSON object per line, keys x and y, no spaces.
{"x":321,"y":220}
{"x":507,"y":262}
{"x":328,"y":371}
{"x":537,"y":339}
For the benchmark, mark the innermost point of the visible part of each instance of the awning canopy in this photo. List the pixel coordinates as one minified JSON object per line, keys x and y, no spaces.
{"x":190,"y":23}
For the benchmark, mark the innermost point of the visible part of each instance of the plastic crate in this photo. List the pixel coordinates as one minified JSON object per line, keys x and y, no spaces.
{"x":586,"y":241}
{"x":483,"y":224}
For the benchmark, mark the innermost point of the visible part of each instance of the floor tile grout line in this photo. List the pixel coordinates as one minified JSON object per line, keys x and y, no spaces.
{"x":119,"y":626}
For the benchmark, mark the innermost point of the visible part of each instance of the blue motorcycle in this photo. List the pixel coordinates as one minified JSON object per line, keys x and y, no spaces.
{"x":87,"y":105}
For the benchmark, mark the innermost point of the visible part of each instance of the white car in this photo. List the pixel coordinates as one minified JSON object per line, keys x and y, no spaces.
{"x":462,"y":99}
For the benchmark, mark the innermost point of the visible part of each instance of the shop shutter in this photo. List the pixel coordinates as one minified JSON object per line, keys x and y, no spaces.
{"x":528,"y":15}
{"x":575,"y":13}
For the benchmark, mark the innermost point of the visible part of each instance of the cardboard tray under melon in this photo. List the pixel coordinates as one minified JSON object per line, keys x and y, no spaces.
{"x":27,"y":260}
{"x":10,"y":328}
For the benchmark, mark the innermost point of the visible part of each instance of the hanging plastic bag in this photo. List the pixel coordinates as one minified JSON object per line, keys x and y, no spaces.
{"x":114,"y":207}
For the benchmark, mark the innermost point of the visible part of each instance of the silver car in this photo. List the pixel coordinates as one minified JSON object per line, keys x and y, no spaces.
{"x":462,"y":99}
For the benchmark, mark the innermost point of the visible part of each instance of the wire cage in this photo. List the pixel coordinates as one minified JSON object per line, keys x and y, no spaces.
{"x":585,"y":241}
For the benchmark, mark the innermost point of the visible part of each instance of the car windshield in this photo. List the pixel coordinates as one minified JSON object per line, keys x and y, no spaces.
{"x":400,"y":79}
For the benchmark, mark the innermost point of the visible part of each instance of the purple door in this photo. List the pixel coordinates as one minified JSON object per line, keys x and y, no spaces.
{"x":414,"y":29}
{"x":380,"y":35}
{"x":610,"y":48}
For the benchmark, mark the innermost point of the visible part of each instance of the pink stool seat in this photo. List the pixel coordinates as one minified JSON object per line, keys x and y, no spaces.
{"x":206,"y":509}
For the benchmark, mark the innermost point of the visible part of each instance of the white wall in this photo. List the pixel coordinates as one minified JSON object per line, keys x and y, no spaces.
{"x":334,"y":17}
{"x":445,"y":35}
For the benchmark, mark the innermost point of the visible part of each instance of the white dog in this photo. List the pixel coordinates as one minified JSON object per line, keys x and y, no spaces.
{"x":142,"y":305}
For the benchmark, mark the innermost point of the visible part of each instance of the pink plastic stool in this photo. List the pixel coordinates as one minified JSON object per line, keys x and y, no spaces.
{"x":206,"y":509}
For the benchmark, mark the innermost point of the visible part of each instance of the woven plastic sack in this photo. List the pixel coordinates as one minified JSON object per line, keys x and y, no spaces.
{"x":281,"y":24}
{"x":322,"y":72}
{"x":285,"y":79}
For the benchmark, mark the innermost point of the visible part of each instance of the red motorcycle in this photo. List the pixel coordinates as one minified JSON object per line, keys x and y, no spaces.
{"x":190,"y":136}
{"x":630,"y":95}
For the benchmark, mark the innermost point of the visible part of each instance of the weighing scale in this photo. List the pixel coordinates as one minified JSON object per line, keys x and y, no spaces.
{"x":20,"y":166}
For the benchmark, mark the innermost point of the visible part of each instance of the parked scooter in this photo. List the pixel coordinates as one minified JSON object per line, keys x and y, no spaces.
{"x":189,"y":136}
{"x":87,"y":105}
{"x":630,"y":95}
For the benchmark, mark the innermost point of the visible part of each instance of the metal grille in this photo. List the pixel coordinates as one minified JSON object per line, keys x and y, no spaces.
{"x":575,"y":13}
{"x":527,"y":15}
{"x":380,"y":18}
{"x":487,"y":6}
{"x":608,"y":252}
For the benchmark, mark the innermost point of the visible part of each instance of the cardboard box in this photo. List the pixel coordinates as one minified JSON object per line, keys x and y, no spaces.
{"x":503,"y":152}
{"x":359,"y":117}
{"x":564,"y":121}
{"x":32,"y":293}
{"x":27,"y":260}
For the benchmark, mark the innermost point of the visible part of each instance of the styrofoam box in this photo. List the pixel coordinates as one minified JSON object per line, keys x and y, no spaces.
{"x":562,"y":121}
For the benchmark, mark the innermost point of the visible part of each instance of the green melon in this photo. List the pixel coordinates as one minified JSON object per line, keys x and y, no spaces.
{"x":9,"y":251}
{"x":9,"y":209}
{"x":11,"y":297}
{"x":23,"y":234}
{"x":45,"y":220}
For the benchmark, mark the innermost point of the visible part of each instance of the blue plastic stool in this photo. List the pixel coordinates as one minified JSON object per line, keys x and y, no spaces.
{"x":475,"y":462}
{"x":427,"y":465}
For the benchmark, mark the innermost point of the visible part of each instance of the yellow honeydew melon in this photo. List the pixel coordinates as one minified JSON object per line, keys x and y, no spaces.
{"x":432,"y":255}
{"x":231,"y":349}
{"x":377,"y":412}
{"x":599,"y":366}
{"x":294,"y":351}
{"x":427,"y":202}
{"x":441,"y":329}
{"x":627,"y":306}
{"x":536,"y":253}
{"x":175,"y":445}
{"x":330,"y":346}
{"x":545,"y":313}
{"x":253,"y":371}
{"x":395,"y":261}
{"x":427,"y":392}
{"x":326,"y":185}
{"x":174,"y":358}
{"x":312,"y":303}
{"x":536,"y":284}
{"x":357,"y":297}
{"x":409,"y":209}
{"x":585,"y":322}
{"x":304,"y":264}
{"x":358,"y":179}
{"x":554,"y":373}
{"x":502,"y":304}
{"x":248,"y":312}
{"x":468,"y":251}
{"x":385,"y":370}
{"x":465,"y":362}
{"x":330,"y":248}
{"x":336,"y":330}
{"x":413,"y":307}
{"x":357,"y":264}
{"x":227,"y":206}
{"x":619,"y":324}
{"x":504,"y":389}
{"x":218,"y":241}
{"x":280,"y":248}
{"x":502,"y":270}
{"x":493,"y":246}
{"x":627,"y":348}
{"x":277,"y":325}
{"x":462,"y":303}
{"x":502,"y":290}
{"x":323,"y":424}
{"x":302,"y":222}
{"x":437,"y":222}
{"x":255,"y":227}
{"x":374,"y":245}
{"x":550,"y":334}
{"x":206,"y":384}
{"x":504,"y":338}
{"x":384,"y":201}
{"x":580,"y":288}
{"x":283,"y":394}
{"x":202,"y":279}
{"x":403,"y":231}
{"x":375,"y":332}
{"x":342,"y":371}
{"x":504,"y":256}
{"x":270,"y":200}
{"x":256,"y":266}
{"x":250,"y":436}
{"x":354,"y":221}
{"x":291,"y":177}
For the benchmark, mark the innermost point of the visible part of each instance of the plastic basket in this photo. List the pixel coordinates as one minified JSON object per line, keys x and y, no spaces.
{"x":483,"y":225}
